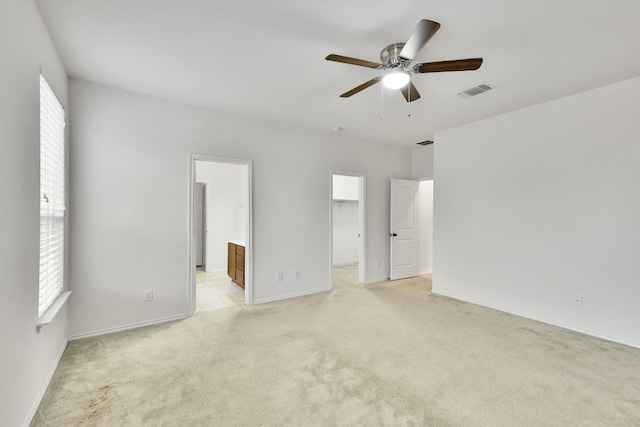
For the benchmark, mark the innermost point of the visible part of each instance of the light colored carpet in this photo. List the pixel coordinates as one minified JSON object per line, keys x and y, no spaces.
{"x":389,"y":354}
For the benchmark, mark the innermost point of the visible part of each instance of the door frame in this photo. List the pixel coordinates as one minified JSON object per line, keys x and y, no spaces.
{"x":191,"y":282}
{"x":362,"y":216}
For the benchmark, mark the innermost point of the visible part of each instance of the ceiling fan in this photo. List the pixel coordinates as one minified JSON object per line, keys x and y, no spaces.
{"x":396,"y":63}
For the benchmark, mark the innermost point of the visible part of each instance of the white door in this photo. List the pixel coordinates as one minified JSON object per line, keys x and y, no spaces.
{"x":404,"y":229}
{"x":198,"y":227}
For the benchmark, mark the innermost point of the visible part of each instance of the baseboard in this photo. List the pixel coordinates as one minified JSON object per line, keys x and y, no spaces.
{"x":222,"y":270}
{"x":288,"y":296}
{"x":127,"y":327}
{"x":542,"y":320}
{"x":386,"y":279}
{"x":43,"y":389}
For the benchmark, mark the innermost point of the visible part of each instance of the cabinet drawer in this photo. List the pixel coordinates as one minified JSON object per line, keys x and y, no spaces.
{"x":240,"y":277}
{"x":240,"y":250}
{"x":239,"y":262}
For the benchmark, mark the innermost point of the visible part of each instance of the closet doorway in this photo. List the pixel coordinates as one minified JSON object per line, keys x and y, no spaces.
{"x":348,"y":239}
{"x":221,"y":218}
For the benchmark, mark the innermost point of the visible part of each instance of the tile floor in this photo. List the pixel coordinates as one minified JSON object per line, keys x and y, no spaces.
{"x":216,"y":291}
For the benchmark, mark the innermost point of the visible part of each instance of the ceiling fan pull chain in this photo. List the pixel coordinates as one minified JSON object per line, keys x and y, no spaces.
{"x":381,"y":102}
{"x":409,"y":103}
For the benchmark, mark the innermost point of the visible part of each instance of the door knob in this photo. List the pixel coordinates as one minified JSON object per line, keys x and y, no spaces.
{"x":393,"y":234}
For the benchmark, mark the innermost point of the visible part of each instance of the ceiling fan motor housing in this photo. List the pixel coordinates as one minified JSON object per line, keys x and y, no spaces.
{"x":390,"y":57}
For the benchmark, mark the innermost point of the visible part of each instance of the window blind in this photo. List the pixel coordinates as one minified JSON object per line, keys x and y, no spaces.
{"x":51,"y":197}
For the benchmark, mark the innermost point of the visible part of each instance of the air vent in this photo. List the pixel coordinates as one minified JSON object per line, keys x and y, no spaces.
{"x":476,"y":90}
{"x":424,"y":142}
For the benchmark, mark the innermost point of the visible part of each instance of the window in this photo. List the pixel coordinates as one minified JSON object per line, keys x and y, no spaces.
{"x":51,"y":197}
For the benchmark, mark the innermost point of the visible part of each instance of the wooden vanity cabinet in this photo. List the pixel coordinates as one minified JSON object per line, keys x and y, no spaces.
{"x":235,"y":264}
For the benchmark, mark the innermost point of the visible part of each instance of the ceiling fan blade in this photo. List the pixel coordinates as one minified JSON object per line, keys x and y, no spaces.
{"x":410,"y":92}
{"x":421,"y":35}
{"x":455,"y":65}
{"x":363,"y":86}
{"x":352,"y":61}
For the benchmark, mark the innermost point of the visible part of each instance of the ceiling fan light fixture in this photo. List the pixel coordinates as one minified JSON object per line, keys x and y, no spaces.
{"x":396,"y":79}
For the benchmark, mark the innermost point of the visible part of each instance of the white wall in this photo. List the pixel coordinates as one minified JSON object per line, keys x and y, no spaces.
{"x":422,"y":162}
{"x":425,"y":227}
{"x":541,"y":204}
{"x":346,"y":187}
{"x":125,"y":239}
{"x":226,"y":208}
{"x":27,"y":359}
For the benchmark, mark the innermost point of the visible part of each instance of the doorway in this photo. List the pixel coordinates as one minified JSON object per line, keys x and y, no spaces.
{"x":347,"y":227}
{"x":425,"y":227}
{"x":221,"y":218}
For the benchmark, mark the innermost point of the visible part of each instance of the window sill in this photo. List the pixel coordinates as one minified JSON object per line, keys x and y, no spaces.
{"x":53,"y":310}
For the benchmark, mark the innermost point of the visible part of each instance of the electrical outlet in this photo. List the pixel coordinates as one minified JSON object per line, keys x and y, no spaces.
{"x":148,"y":294}
{"x":296,"y":274}
{"x":577,"y":300}
{"x":279,"y":276}
{"x":470,"y":279}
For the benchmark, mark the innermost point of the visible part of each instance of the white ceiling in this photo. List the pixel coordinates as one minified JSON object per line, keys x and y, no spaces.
{"x":266,"y":58}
